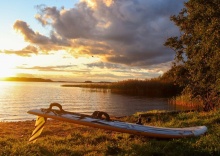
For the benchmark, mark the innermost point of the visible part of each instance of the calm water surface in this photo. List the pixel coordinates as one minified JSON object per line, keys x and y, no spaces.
{"x":16,"y":98}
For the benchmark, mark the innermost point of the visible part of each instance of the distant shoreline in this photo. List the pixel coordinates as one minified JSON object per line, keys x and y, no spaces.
{"x":28,"y":79}
{"x":25,"y":79}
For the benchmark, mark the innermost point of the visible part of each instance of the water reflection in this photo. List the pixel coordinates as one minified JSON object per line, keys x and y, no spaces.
{"x":16,"y":98}
{"x":119,"y":105}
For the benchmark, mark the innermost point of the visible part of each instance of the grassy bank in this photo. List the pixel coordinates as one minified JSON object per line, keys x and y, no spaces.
{"x":61,"y":138}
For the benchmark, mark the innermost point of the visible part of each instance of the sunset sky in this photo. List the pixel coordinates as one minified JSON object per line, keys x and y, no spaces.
{"x":80,"y":40}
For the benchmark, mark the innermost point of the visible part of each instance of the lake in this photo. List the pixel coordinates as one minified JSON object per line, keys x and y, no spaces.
{"x":16,"y":98}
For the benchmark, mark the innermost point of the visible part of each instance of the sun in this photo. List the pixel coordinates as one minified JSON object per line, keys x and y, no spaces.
{"x":7,"y":66}
{"x":6,"y":72}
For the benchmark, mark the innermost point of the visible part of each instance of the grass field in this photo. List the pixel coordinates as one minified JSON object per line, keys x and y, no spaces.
{"x":62,"y":138}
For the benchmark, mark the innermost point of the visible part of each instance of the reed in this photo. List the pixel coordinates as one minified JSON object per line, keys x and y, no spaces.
{"x":148,"y":88}
{"x":187,"y":101}
{"x":89,"y":85}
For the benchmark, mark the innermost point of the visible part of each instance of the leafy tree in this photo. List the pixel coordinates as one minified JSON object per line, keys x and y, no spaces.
{"x":198,"y":50}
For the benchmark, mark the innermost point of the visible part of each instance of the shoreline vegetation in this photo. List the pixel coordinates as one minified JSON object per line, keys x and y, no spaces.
{"x":149,"y":88}
{"x":62,"y":138}
{"x":186,"y":101}
{"x":161,"y":87}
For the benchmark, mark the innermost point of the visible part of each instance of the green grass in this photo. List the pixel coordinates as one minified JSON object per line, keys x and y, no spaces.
{"x":62,"y":138}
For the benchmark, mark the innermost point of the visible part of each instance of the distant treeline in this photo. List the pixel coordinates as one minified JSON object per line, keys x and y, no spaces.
{"x":26,"y":79}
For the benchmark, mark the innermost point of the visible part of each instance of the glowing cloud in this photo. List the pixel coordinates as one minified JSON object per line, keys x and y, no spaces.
{"x":121,"y":32}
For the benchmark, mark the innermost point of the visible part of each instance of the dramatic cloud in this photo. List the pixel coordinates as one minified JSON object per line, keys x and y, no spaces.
{"x":26,"y":52}
{"x":44,"y":43}
{"x":127,"y":32}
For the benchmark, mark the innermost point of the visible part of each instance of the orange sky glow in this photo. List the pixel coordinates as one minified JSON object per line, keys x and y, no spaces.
{"x":86,"y":40}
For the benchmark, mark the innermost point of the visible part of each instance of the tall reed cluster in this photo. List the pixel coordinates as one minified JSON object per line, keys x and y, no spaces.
{"x":187,"y":101}
{"x":149,"y":88}
{"x":156,"y":87}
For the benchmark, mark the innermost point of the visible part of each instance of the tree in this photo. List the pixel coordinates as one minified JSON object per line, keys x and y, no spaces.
{"x":198,"y":50}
